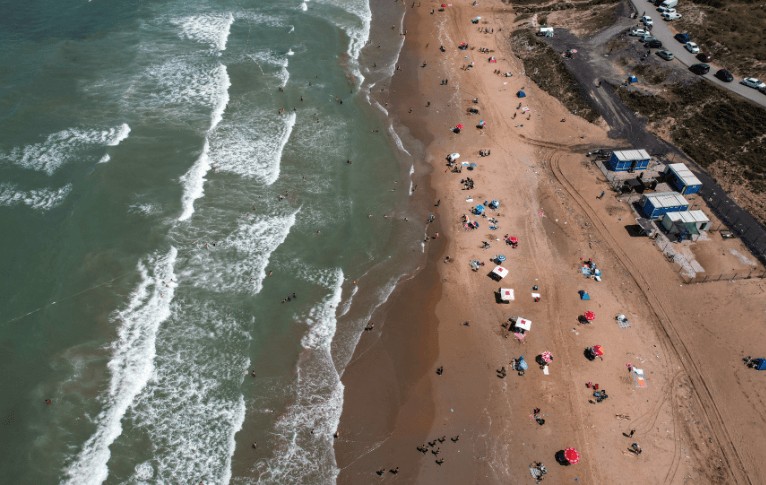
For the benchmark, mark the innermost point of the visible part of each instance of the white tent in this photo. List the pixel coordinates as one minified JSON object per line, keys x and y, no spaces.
{"x":506,"y":294}
{"x":453,"y":156}
{"x":523,"y":324}
{"x":500,"y":272}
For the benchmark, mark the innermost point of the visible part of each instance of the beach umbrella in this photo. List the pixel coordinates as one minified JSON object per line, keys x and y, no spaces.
{"x":522,"y":364}
{"x":573,"y":51}
{"x":521,"y":94}
{"x":499,"y":258}
{"x":572,"y":456}
{"x":590,"y":316}
{"x":459,"y":126}
{"x":514,"y":240}
{"x":479,"y":209}
{"x":584,"y":295}
{"x":598,"y":350}
{"x":547,"y":357}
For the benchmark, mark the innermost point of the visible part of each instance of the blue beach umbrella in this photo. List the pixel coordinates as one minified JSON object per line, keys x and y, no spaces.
{"x":521,"y":94}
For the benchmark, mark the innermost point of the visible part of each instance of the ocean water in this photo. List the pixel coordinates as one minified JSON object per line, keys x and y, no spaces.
{"x":170,"y":172}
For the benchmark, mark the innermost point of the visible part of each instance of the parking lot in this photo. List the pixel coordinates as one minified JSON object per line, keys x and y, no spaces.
{"x":663,"y":32}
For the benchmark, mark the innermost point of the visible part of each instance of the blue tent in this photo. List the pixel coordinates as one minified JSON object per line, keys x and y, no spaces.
{"x":632,"y":79}
{"x":584,"y":295}
{"x":521,"y":94}
{"x":522,"y":364}
{"x":478,"y":210}
{"x":760,"y":364}
{"x":494,"y":204}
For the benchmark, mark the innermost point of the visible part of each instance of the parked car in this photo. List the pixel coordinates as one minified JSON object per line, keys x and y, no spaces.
{"x":704,"y":57}
{"x":683,"y":38}
{"x":752,"y":82}
{"x":700,"y":69}
{"x":647,"y":38}
{"x":638,"y":32}
{"x":663,"y":9}
{"x":762,"y":90}
{"x":668,"y":16}
{"x":667,"y":55}
{"x":724,"y":75}
{"x":653,"y":44}
{"x":692,"y":47}
{"x":647,"y":20}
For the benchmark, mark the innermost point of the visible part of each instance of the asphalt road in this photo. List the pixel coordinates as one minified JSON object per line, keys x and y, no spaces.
{"x":662,"y":31}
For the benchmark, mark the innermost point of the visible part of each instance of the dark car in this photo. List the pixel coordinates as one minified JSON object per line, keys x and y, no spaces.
{"x":700,"y":69}
{"x":704,"y":57}
{"x":683,"y":38}
{"x":653,"y":44}
{"x":724,"y":75}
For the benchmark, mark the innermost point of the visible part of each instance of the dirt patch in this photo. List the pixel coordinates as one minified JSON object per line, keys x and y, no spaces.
{"x":725,"y":135}
{"x":546,"y":68}
{"x":730,"y":30}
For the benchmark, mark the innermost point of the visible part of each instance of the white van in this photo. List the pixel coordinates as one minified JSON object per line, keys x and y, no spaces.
{"x":669,"y":3}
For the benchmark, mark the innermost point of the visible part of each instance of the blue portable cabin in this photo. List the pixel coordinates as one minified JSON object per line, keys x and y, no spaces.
{"x":682,"y":179}
{"x":660,"y":203}
{"x":624,"y":160}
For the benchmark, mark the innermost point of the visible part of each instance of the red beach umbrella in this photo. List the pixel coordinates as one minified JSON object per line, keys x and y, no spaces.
{"x":572,"y":456}
{"x":547,"y":357}
{"x":444,"y":5}
{"x":514,"y":240}
{"x":459,"y":126}
{"x":598,"y":350}
{"x":590,"y":315}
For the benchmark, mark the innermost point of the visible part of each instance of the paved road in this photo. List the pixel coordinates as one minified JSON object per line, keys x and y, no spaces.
{"x":664,"y":31}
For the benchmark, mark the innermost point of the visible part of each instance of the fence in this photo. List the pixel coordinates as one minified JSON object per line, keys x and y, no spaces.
{"x":736,"y":275}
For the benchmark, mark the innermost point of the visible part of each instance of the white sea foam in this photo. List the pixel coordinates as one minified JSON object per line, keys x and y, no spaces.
{"x":179,"y":82}
{"x":105,"y":159}
{"x":117,"y":135}
{"x":65,"y":146}
{"x":304,"y":451}
{"x":221,"y":100}
{"x":268,"y":57}
{"x":252,"y":147}
{"x":304,"y":6}
{"x":131,"y":366}
{"x":143,"y":208}
{"x":40,"y":199}
{"x":193,"y":406}
{"x":194,"y":180}
{"x":397,"y":140}
{"x":210,"y":29}
{"x":238,"y":262}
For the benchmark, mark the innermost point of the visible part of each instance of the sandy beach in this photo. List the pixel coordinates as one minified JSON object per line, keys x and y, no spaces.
{"x":696,"y":419}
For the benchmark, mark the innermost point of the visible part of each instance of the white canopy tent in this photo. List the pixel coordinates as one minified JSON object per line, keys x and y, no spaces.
{"x":506,"y":294}
{"x":522,"y":323}
{"x":500,"y":272}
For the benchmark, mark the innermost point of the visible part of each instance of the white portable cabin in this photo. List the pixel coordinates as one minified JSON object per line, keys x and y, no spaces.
{"x":545,"y":32}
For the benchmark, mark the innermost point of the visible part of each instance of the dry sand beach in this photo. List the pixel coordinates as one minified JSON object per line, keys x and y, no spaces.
{"x":698,"y":420}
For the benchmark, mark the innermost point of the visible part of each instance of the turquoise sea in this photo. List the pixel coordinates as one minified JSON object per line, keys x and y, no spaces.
{"x":170,"y":173}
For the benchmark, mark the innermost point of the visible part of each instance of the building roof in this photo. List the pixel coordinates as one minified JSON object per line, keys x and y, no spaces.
{"x":688,"y":216}
{"x":666,"y":199}
{"x":684,"y":174}
{"x":630,"y":155}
